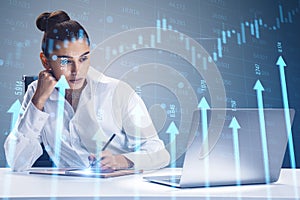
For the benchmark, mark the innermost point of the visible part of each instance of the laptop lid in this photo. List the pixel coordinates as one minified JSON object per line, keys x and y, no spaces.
{"x":246,"y":151}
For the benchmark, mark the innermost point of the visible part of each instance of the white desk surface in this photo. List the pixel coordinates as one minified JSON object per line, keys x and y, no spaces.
{"x":29,"y":186}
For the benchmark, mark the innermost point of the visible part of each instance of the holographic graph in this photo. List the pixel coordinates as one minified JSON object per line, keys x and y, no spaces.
{"x":186,"y":47}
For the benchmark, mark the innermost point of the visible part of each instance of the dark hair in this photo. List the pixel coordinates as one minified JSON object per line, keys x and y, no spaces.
{"x":57,"y":26}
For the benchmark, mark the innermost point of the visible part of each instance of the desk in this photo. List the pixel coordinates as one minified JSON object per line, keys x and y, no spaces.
{"x":23,"y":185}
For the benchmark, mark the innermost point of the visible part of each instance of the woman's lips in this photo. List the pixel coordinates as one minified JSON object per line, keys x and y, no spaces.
{"x":76,"y":81}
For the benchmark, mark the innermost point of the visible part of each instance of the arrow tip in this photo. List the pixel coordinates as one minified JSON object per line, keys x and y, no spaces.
{"x":258,"y":86}
{"x":281,"y":62}
{"x":15,"y":107}
{"x":62,"y":83}
{"x":234,"y":124}
{"x":138,"y":111}
{"x":203,"y":104}
{"x":172,"y":129}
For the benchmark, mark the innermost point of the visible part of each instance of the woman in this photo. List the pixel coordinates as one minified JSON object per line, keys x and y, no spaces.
{"x":74,"y":128}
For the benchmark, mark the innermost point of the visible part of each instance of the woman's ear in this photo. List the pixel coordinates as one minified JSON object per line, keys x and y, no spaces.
{"x":44,"y":61}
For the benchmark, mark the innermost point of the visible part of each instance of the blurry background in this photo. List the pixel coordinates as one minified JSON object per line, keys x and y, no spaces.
{"x":243,"y":38}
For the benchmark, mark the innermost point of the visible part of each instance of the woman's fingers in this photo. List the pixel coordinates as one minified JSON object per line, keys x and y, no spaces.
{"x":45,"y":86}
{"x":111,"y":161}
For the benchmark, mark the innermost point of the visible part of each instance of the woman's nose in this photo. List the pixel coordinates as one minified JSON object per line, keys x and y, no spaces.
{"x":75,"y":68}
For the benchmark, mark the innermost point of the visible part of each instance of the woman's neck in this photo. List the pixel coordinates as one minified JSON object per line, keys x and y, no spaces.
{"x":73,"y":96}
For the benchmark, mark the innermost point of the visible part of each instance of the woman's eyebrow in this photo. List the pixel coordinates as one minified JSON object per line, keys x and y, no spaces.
{"x":85,"y":53}
{"x":66,"y":56}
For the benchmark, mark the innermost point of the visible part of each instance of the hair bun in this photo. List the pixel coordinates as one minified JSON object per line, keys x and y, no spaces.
{"x":47,"y":20}
{"x":41,"y":21}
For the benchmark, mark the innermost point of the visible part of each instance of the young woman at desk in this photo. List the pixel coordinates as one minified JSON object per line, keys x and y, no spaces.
{"x":94,"y":107}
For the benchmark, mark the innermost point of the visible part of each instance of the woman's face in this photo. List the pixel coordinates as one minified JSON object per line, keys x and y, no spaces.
{"x":71,"y":59}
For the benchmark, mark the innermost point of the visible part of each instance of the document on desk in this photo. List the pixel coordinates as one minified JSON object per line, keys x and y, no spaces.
{"x":89,"y":172}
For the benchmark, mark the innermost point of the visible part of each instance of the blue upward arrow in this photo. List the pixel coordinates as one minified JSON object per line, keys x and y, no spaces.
{"x":15,"y":109}
{"x":280,"y":62}
{"x":62,"y":85}
{"x":203,"y":105}
{"x":138,"y":114}
{"x":234,"y":125}
{"x":259,"y":88}
{"x":173,"y":131}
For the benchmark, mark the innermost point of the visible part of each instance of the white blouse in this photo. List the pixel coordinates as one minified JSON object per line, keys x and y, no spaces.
{"x":106,"y":106}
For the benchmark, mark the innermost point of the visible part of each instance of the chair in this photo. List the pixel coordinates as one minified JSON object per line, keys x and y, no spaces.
{"x":44,"y":160}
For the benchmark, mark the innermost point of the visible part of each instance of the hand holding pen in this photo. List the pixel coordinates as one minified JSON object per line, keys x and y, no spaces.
{"x":93,"y":160}
{"x":109,"y":161}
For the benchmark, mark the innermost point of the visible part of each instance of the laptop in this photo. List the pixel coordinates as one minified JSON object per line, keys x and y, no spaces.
{"x":231,"y":154}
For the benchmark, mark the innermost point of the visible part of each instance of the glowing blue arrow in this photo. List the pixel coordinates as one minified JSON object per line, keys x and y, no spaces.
{"x":15,"y":109}
{"x":99,"y":139}
{"x":235,"y":126}
{"x":281,"y":64}
{"x":173,"y":131}
{"x":203,"y":105}
{"x":138,"y":114}
{"x":259,"y":88}
{"x":62,"y":85}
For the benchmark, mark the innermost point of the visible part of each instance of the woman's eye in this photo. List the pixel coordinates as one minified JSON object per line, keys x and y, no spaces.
{"x":82,"y":59}
{"x":65,"y":61}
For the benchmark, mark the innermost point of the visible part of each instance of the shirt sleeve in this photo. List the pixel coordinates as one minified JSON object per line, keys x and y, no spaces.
{"x":22,"y":146}
{"x":145,"y":148}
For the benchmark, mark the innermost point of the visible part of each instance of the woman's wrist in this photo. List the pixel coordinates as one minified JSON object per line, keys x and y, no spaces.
{"x":38,"y":103}
{"x":123,"y":162}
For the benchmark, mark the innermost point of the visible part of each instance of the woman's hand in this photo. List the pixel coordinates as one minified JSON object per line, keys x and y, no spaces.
{"x":109,"y":161}
{"x":45,"y":86}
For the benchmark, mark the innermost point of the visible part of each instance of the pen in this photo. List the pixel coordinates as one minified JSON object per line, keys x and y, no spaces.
{"x":108,"y":142}
{"x":95,"y":161}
